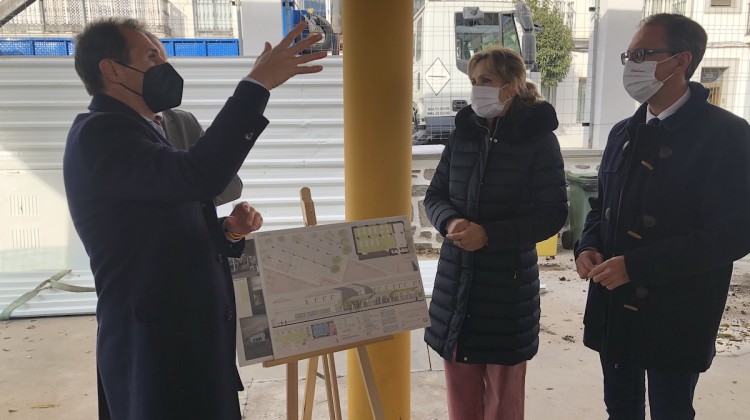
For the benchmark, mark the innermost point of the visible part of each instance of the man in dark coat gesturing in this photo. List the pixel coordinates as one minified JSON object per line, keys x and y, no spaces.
{"x":671,"y":216}
{"x":144,"y":212}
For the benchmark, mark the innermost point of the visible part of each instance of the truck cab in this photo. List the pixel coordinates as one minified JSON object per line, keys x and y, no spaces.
{"x":446,"y":34}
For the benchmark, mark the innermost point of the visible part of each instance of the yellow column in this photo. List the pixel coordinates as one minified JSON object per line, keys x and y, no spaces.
{"x":377,"y":49}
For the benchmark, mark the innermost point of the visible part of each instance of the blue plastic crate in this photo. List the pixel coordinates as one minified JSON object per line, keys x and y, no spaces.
{"x":16,"y":47}
{"x":186,"y":47}
{"x":169,"y":46}
{"x":202,"y":47}
{"x":51,"y":46}
{"x":189,"y":48}
{"x":222,"y":47}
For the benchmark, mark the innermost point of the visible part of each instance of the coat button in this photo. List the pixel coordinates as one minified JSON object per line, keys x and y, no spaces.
{"x":648,"y":221}
{"x":466,"y":359}
{"x":230,"y":315}
{"x":249,"y":136}
{"x":220,"y":258}
{"x":665,"y":152}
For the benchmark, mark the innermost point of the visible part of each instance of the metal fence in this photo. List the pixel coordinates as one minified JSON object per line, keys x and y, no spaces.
{"x":168,"y":18}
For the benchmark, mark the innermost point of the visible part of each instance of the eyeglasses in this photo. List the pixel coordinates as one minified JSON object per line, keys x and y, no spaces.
{"x":639,"y":55}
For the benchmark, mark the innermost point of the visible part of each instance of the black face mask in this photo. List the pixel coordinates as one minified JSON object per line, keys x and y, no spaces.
{"x":162,"y":87}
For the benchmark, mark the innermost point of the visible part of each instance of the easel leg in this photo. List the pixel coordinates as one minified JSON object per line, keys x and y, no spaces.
{"x":372,"y":389}
{"x":329,"y":385}
{"x":312,"y":376}
{"x":334,"y":386}
{"x":292,"y":406}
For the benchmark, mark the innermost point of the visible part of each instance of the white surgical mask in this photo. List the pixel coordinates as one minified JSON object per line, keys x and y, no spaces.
{"x":640,"y":79}
{"x":485,"y":101}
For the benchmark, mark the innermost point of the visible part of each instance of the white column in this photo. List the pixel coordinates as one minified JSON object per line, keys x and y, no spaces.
{"x":260,"y":21}
{"x":610,"y":103}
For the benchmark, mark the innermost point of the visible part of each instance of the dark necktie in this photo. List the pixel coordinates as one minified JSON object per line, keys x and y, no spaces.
{"x":654,"y":121}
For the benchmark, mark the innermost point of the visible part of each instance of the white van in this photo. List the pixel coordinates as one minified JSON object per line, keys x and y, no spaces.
{"x":446,"y":34}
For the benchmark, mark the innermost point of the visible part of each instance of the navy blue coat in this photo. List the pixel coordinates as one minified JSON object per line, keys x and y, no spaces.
{"x":144,"y":212}
{"x":674,"y":199}
{"x":485,"y":304}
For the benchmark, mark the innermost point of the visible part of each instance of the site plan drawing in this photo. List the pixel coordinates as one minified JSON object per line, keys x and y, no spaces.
{"x":253,"y":336}
{"x":323,"y":286}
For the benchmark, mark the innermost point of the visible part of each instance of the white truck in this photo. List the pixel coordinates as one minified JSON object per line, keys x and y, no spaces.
{"x":446,"y":34}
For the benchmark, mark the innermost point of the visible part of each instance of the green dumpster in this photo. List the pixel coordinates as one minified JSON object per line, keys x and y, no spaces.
{"x":583,"y":185}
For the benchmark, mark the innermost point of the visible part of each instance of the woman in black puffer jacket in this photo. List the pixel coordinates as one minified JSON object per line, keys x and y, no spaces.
{"x":498,"y":190}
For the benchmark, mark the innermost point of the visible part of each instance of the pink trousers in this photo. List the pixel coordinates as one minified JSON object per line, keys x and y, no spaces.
{"x":485,"y":392}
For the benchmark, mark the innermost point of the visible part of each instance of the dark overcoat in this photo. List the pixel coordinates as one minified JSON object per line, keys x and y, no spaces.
{"x":674,"y":199}
{"x":183,"y":130}
{"x":510,"y":180}
{"x":144,"y":212}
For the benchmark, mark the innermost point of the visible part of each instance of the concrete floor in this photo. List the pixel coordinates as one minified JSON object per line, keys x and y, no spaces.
{"x":47,"y":366}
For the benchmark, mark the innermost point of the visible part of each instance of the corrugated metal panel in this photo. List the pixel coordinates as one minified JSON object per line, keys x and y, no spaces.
{"x":40,"y":96}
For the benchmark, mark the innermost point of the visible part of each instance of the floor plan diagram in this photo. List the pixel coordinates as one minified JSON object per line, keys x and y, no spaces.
{"x":332,"y":284}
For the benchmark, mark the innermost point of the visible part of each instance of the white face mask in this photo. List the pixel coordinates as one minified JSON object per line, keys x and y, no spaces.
{"x":640,"y":79}
{"x":485,"y":101}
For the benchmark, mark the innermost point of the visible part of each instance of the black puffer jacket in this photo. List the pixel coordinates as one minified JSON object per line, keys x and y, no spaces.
{"x":485,"y":303}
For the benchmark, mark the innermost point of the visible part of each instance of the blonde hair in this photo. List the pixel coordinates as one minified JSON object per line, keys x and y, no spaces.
{"x":507,"y":65}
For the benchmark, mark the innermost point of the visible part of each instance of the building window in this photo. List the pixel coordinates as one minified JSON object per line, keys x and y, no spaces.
{"x":213,"y":17}
{"x":580,"y":115}
{"x":655,"y":6}
{"x":566,"y":10}
{"x":723,"y":6}
{"x":678,"y":7}
{"x":713,"y":79}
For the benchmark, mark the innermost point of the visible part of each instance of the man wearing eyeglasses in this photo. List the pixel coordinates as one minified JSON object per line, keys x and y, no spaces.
{"x":671,"y":216}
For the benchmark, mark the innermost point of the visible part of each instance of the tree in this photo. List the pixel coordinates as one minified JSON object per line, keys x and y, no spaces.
{"x":554,"y":43}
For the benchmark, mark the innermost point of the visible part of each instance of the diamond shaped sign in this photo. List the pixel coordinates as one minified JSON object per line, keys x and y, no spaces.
{"x":437,"y":76}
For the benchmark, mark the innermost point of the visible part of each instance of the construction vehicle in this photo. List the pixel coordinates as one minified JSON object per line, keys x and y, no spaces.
{"x":446,"y":35}
{"x":293,"y":13}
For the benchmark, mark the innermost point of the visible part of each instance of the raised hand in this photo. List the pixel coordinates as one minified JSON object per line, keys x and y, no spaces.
{"x":278,"y":64}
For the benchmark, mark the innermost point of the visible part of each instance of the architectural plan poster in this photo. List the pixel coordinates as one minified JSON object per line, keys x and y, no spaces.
{"x":331,"y":285}
{"x":253,"y":336}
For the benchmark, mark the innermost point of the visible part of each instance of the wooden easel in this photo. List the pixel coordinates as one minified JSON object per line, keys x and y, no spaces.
{"x":329,"y":365}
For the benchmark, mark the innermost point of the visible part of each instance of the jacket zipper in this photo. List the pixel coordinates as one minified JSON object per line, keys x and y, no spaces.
{"x":489,"y":142}
{"x":479,"y":188}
